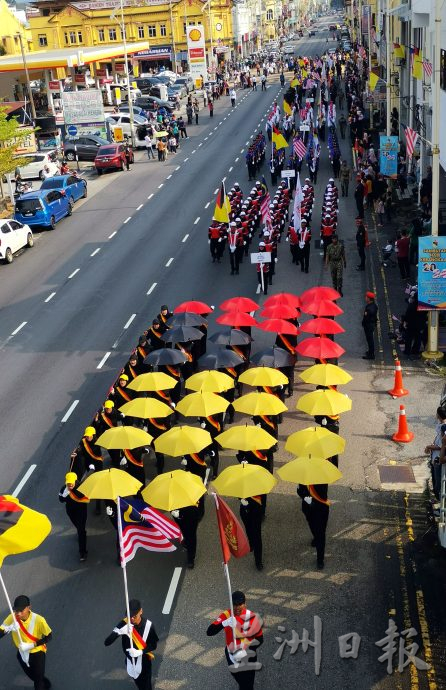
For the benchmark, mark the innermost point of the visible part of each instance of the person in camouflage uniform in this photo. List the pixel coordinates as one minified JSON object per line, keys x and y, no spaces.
{"x":335,"y":258}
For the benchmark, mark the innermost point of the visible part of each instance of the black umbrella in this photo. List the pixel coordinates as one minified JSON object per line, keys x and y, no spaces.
{"x":219,"y":358}
{"x":181,"y":334}
{"x":186,"y":318}
{"x":230,"y":336}
{"x":165,"y":356}
{"x":273,"y":357}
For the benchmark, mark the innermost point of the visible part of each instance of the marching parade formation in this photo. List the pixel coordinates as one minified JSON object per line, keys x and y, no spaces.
{"x":196,"y":414}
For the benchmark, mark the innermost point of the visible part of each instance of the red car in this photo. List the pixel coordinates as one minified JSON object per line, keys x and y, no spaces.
{"x":111,"y":157}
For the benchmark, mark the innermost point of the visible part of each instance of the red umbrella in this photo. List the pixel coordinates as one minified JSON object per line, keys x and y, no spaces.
{"x":319,"y":348}
{"x":321,"y":326}
{"x":236,"y":319}
{"x":194,"y":307}
{"x":278,"y":326}
{"x":285,"y":298}
{"x":280,"y":311}
{"x":321,"y":307}
{"x":319,"y":292}
{"x":239,"y":304}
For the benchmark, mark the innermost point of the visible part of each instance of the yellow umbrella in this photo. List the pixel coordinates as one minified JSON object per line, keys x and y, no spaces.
{"x":244,"y":480}
{"x":201,"y":405}
{"x":145,"y":408}
{"x":246,"y":438}
{"x":325,"y":375}
{"x":109,"y":484}
{"x":181,"y":440}
{"x":316,"y":440}
{"x":174,"y":490}
{"x":263,"y":376}
{"x":324,"y":402}
{"x":309,"y":470}
{"x":210,"y":381}
{"x":153,"y":381}
{"x":159,"y":135}
{"x":124,"y":437}
{"x":259,"y":403}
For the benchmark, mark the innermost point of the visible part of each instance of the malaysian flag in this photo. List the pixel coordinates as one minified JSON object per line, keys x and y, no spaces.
{"x":299,"y":148}
{"x":264,"y":208}
{"x":298,"y":198}
{"x":411,"y":140}
{"x":145,"y":527}
{"x":427,"y":67}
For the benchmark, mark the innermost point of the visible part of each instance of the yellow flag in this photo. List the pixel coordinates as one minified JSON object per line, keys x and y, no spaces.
{"x":399,"y":51}
{"x":21,"y":528}
{"x":417,"y":65}
{"x":294,"y":83}
{"x":373,"y":80}
{"x":221,"y":213}
{"x":287,"y":108}
{"x":278,"y":139}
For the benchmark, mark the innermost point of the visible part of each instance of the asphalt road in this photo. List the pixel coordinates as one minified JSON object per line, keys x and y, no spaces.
{"x":150,"y":228}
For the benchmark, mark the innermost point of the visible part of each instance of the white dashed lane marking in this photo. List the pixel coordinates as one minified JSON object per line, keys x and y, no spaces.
{"x":133,"y":316}
{"x":19,"y":328}
{"x":50,"y":297}
{"x":95,"y":251}
{"x":138,"y":208}
{"x":208,"y":204}
{"x":127,"y":220}
{"x":69,"y":412}
{"x":169,"y":262}
{"x":151,"y":288}
{"x":197,"y":220}
{"x":185,"y":237}
{"x":112,"y":235}
{"x":74,"y":273}
{"x":103,"y":360}
{"x":150,"y":196}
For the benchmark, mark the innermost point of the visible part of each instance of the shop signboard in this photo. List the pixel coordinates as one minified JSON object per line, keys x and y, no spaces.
{"x":432,"y":273}
{"x":83,"y":107}
{"x":388,"y":156}
{"x":196,"y":52}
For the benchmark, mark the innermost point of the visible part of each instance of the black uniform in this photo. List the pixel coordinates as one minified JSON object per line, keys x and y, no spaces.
{"x":369,"y":321}
{"x":187,"y":520}
{"x":76,"y":507}
{"x":135,"y":462}
{"x":251,"y":512}
{"x":316,"y":510}
{"x":144,"y":680}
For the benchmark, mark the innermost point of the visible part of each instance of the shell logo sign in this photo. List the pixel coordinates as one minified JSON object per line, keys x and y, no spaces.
{"x":195,"y":35}
{"x":196,"y":50}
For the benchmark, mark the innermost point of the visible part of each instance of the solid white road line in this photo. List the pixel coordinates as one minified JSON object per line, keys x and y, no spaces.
{"x":19,"y":328}
{"x":112,"y":235}
{"x":138,"y":208}
{"x":208,"y":204}
{"x":168,"y":177}
{"x":103,"y":360}
{"x":127,"y":220}
{"x":129,"y":321}
{"x":74,"y":273}
{"x":151,"y":288}
{"x":69,"y":412}
{"x":169,"y":262}
{"x":185,"y":237}
{"x":23,"y":481}
{"x":171,"y":591}
{"x":197,"y":220}
{"x":150,"y":196}
{"x":95,"y":251}
{"x":50,"y":297}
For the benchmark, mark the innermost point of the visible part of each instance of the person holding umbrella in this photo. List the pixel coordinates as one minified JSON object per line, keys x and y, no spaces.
{"x":316,"y":508}
{"x":251,"y":512}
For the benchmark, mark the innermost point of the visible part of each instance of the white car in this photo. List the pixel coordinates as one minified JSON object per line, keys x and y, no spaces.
{"x":34,"y":168}
{"x":13,"y":236}
{"x":123,"y":120}
{"x":168,"y":73}
{"x":134,"y":93}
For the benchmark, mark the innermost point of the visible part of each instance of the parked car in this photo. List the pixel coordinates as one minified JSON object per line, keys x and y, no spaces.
{"x":134,"y":93}
{"x":73,"y":186}
{"x":86,"y":147}
{"x":188,"y":82}
{"x":166,"y":79}
{"x":123,"y":121}
{"x":179,"y":89}
{"x":167,"y":73}
{"x":126,"y":109}
{"x":42,"y":208}
{"x":159,"y":91}
{"x":111,"y":157}
{"x":13,"y":236}
{"x":151,"y":103}
{"x":144,"y":84}
{"x":34,"y":168}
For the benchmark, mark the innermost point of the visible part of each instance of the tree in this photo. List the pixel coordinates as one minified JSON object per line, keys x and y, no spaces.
{"x":12,"y":135}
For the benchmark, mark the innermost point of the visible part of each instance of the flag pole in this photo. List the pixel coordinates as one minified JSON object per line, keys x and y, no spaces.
{"x":226,"y":572}
{"x":8,"y":600}
{"x":124,"y":573}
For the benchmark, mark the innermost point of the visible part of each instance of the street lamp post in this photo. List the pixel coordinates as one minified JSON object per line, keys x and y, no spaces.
{"x":127,"y":74}
{"x":28,"y":84}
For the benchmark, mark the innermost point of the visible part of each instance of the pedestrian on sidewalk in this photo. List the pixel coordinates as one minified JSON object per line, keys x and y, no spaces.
{"x":335,"y":258}
{"x":211,"y":108}
{"x":359,"y":197}
{"x":30,"y":634}
{"x":196,"y":108}
{"x":189,"y":113}
{"x":128,"y":155}
{"x":369,"y":321}
{"x":263,"y":80}
{"x":402,"y":246}
{"x":380,"y":210}
{"x":360,"y":244}
{"x":148,"y":144}
{"x":182,"y":128}
{"x":233,"y":97}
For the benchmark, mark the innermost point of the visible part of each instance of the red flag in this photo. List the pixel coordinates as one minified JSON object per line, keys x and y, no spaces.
{"x":232,"y":535}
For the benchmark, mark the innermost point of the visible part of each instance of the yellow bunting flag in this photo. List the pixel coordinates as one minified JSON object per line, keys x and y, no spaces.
{"x":278,"y":139}
{"x":399,"y":50}
{"x":221,"y":213}
{"x":417,"y":64}
{"x":373,"y":80}
{"x":287,"y":108}
{"x":21,"y":528}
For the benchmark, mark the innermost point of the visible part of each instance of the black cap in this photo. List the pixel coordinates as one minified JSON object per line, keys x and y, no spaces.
{"x":134,"y":606}
{"x":238,"y":598}
{"x":155,"y":322}
{"x":164,"y":306}
{"x":21,"y":602}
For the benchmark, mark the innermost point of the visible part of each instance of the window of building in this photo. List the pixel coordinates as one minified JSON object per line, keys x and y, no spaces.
{"x":140,"y":32}
{"x":66,"y":37}
{"x":79,"y":36}
{"x":269,"y":16}
{"x":184,"y":28}
{"x":101,"y":34}
{"x":43,"y":41}
{"x":152,"y":30}
{"x":163,"y":30}
{"x":72,"y":37}
{"x":112,"y":34}
{"x":123,"y":33}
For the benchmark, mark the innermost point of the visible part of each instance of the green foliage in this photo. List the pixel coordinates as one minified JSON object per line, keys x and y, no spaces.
{"x":12,"y":135}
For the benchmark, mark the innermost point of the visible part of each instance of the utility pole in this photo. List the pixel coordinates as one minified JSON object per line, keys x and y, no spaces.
{"x":28,"y":84}
{"x":388,"y":70}
{"x":127,"y":75}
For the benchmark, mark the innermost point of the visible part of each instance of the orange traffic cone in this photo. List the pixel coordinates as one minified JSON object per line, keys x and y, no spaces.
{"x":398,"y":391}
{"x":403,"y":435}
